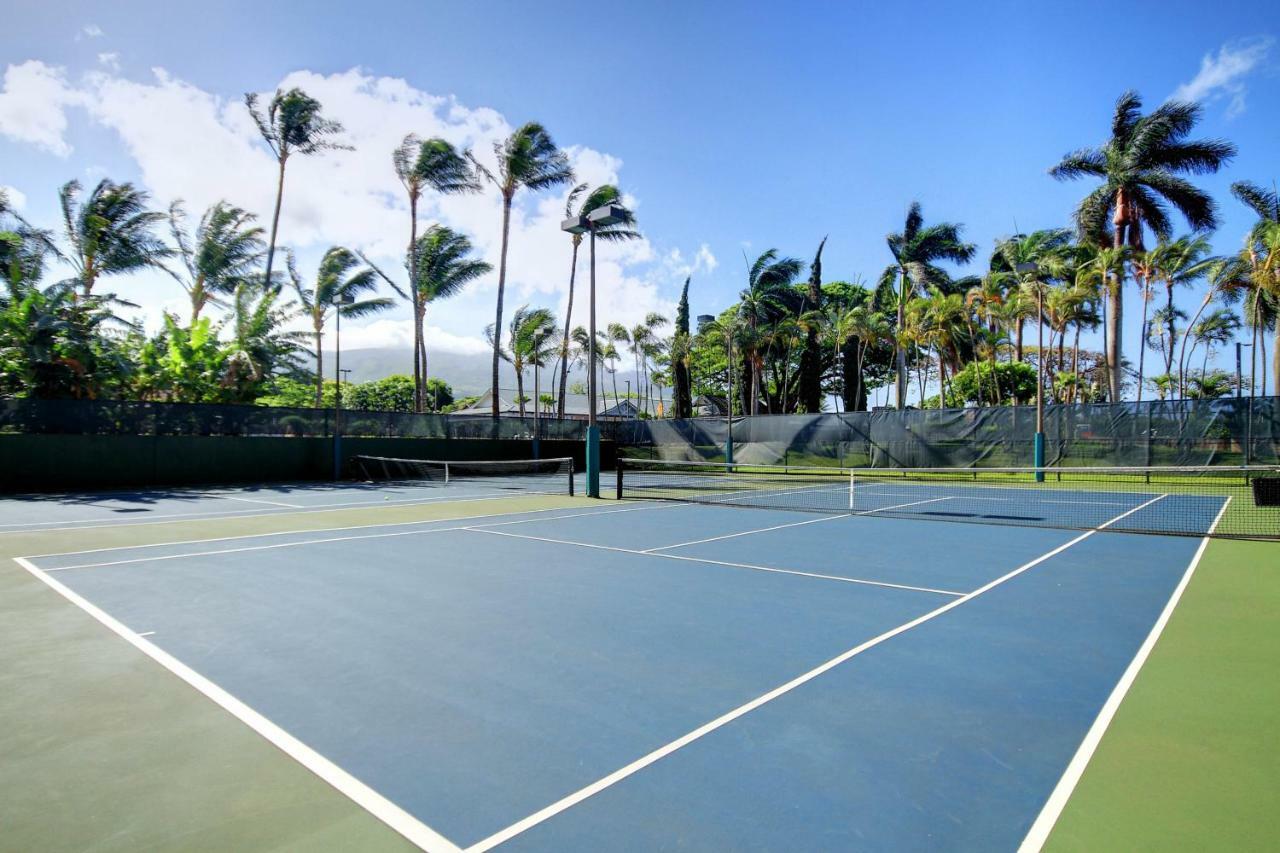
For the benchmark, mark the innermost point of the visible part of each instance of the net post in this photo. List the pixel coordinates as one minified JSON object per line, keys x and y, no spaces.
{"x":1039,"y":457}
{"x":593,"y":461}
{"x":571,"y":478}
{"x":851,"y":491}
{"x":446,"y":473}
{"x":619,"y":472}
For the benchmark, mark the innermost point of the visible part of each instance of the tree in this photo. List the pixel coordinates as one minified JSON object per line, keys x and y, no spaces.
{"x":221,"y":255}
{"x":1140,"y":167}
{"x":389,"y":394}
{"x":419,"y":164}
{"x":811,"y":360}
{"x":340,"y":276}
{"x":441,"y":267}
{"x":291,"y":124}
{"x":1263,"y":304}
{"x":262,"y":344}
{"x":680,"y":344}
{"x":618,"y":232}
{"x":1227,"y":279}
{"x":527,"y":158}
{"x":529,"y":338}
{"x":110,"y":232}
{"x":1216,"y":328}
{"x":769,"y":281}
{"x":916,"y":252}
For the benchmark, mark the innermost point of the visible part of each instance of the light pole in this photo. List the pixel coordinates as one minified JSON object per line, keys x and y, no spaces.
{"x":339,"y":302}
{"x":1033,"y":269}
{"x":605,"y":214}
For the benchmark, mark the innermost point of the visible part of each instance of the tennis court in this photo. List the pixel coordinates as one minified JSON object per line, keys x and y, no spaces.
{"x":653,"y":674}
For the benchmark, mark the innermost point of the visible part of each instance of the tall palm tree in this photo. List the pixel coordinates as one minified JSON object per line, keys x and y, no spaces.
{"x":769,"y":281}
{"x":1216,"y":328}
{"x":620,"y":231}
{"x":1140,"y":167}
{"x":917,"y":250}
{"x":528,"y":342}
{"x":420,"y":164}
{"x":1181,"y":262}
{"x":1261,"y":257}
{"x":1227,"y":279}
{"x":527,"y":158}
{"x":340,"y":275}
{"x":617,"y":336}
{"x":222,"y":254}
{"x":1264,"y":302}
{"x":109,"y":232}
{"x":291,"y":124}
{"x":643,"y":337}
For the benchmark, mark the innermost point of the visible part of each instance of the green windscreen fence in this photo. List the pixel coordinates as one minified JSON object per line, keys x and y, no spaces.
{"x":1232,"y":431}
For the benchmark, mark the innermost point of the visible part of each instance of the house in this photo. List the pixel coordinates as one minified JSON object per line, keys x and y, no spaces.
{"x":709,"y":406}
{"x":575,"y":407}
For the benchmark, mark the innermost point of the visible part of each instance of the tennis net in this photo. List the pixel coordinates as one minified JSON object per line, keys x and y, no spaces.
{"x":547,"y":476}
{"x":1222,"y":501}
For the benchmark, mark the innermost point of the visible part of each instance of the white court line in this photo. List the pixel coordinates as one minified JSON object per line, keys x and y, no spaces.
{"x":146,"y":633}
{"x":771,"y":569}
{"x":388,"y":812}
{"x":790,"y":524}
{"x":319,"y":541}
{"x":1048,"y":817}
{"x":269,"y":503}
{"x":232,"y":515}
{"x":621,"y":773}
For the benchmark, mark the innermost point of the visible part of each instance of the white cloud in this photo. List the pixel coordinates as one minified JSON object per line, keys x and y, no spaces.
{"x":109,"y":60}
{"x":1222,"y":76}
{"x":17,"y":200}
{"x":89,"y":31}
{"x":33,"y":106}
{"x":202,"y":147}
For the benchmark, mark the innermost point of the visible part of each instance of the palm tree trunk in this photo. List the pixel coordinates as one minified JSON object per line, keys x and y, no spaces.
{"x":422,"y":357}
{"x":1017,"y":341}
{"x":1114,"y":317}
{"x":1172,"y":329}
{"x":900,"y":351}
{"x":1142,"y":343}
{"x":942,"y":381}
{"x":519,"y":389}
{"x":568,"y":320}
{"x":275,"y":224}
{"x":319,"y":368}
{"x":502,"y":285}
{"x":1182,"y":355}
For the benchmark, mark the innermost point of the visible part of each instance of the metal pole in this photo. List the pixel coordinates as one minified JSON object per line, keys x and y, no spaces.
{"x":1039,"y":440}
{"x":537,"y":398}
{"x":337,"y":397}
{"x":1239,"y":392}
{"x":593,"y":429}
{"x":728,"y":433}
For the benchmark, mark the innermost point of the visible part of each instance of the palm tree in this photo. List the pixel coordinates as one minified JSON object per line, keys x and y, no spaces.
{"x":1140,"y":168}
{"x":526,"y":158}
{"x":291,"y":124}
{"x":262,"y":343}
{"x":221,"y":255}
{"x":528,"y":335}
{"x":1227,"y":278}
{"x":110,"y":232}
{"x":419,"y":164}
{"x":340,"y":276}
{"x":1217,"y":328}
{"x":617,"y":336}
{"x":916,"y":252}
{"x":643,"y":338}
{"x":1261,"y":309}
{"x":769,"y":280}
{"x":618,"y":232}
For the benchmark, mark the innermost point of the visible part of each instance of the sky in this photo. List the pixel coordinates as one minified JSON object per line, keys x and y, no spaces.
{"x":732,"y":128}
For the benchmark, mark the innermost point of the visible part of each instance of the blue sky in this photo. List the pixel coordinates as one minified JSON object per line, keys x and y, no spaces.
{"x":734,"y":127}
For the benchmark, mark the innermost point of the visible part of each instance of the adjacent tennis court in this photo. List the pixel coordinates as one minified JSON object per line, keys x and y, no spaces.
{"x":653,"y":674}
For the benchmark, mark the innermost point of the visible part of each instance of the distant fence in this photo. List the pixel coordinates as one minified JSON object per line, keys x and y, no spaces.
{"x":96,"y":444}
{"x":126,"y":417}
{"x":1185,"y":432}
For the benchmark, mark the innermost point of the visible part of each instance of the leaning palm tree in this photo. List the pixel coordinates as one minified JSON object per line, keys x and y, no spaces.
{"x":222,"y":254}
{"x":291,"y":124}
{"x":917,"y":249}
{"x":527,"y":158}
{"x":262,"y":344}
{"x":769,"y":280}
{"x":1227,"y":279}
{"x":109,"y":232}
{"x":1264,"y":299}
{"x":528,"y":337}
{"x":617,"y":336}
{"x":1215,"y":329}
{"x":340,"y":277}
{"x":1181,"y":262}
{"x":1139,"y":167}
{"x":420,"y":164}
{"x":624,"y":229}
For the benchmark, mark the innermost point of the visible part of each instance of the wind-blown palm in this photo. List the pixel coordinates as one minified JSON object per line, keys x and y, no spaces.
{"x":529,"y":338}
{"x":290,"y":124}
{"x":109,"y":232}
{"x":1260,"y":253}
{"x":262,"y":345}
{"x":769,"y":287}
{"x":527,"y":158}
{"x":1181,"y":262}
{"x":340,"y":275}
{"x":577,"y":206}
{"x":1140,"y":167}
{"x":917,"y":250}
{"x":221,"y":255}
{"x":1227,"y":279}
{"x":420,"y":164}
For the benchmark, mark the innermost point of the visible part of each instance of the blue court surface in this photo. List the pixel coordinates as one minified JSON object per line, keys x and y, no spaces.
{"x":649,"y":675}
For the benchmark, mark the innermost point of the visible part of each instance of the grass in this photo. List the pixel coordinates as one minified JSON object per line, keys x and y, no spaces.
{"x":1192,"y":759}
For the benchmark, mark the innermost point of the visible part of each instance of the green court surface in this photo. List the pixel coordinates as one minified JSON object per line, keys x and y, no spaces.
{"x":104,"y":749}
